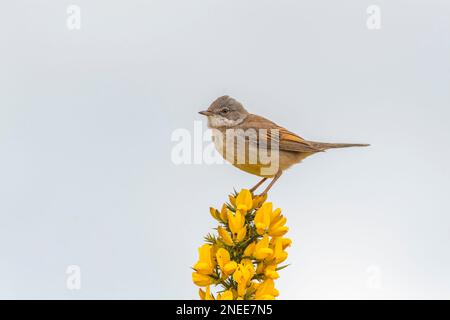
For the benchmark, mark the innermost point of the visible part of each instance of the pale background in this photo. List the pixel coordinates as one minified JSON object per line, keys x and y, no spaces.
{"x":86,"y":117}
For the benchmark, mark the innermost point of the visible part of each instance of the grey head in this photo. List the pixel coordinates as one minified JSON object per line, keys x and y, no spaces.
{"x":225,"y":112}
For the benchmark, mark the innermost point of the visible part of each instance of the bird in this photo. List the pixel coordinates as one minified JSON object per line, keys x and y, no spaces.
{"x":228,"y":119}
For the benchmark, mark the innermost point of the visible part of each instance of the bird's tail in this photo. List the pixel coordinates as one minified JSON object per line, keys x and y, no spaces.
{"x":325,"y":145}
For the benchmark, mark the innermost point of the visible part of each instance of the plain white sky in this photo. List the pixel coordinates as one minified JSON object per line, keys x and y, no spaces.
{"x":86,"y":117}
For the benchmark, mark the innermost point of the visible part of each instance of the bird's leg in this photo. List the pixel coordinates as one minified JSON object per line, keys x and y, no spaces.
{"x":275,"y":178}
{"x":257,"y":185}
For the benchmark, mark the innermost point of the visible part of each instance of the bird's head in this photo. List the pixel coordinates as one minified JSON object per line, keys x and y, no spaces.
{"x":225,"y":112}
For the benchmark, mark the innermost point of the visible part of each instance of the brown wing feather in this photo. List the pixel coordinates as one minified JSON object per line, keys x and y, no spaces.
{"x":287,"y":141}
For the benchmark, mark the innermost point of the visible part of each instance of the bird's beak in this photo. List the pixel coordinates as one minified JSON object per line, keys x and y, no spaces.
{"x":206,"y":113}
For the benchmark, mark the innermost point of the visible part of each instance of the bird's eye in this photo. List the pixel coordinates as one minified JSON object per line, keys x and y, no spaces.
{"x":224,"y":111}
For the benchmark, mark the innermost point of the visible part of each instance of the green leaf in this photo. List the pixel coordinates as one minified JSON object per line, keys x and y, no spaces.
{"x":282,"y":267}
{"x":209,"y":238}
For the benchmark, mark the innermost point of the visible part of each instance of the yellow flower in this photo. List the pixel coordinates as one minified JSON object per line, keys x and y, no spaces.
{"x":266,"y":290}
{"x":271,"y":272}
{"x":236,"y":222}
{"x":232,"y":200}
{"x":277,"y":224}
{"x":241,"y":234}
{"x":226,"y":295}
{"x":248,"y":252}
{"x":262,"y":218}
{"x":205,"y":295}
{"x":275,"y":215}
{"x":244,"y":201}
{"x":243,"y":258}
{"x":260,"y":268}
{"x":223,"y":213}
{"x":222,"y":257}
{"x":258,"y":201}
{"x":214,"y":213}
{"x":243,"y":274}
{"x":262,"y":249}
{"x":219,"y":215}
{"x":202,"y":280}
{"x":226,"y":238}
{"x":230,"y":267}
{"x":206,"y":264}
{"x":286,"y":242}
{"x":225,"y":264}
{"x":278,"y":254}
{"x":252,"y":289}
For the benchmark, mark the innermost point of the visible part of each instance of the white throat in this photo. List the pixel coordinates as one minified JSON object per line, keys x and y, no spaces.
{"x":217,"y":121}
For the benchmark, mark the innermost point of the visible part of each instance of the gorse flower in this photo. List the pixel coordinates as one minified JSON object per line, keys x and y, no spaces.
{"x":262,"y":250}
{"x":206,"y":263}
{"x":236,"y":223}
{"x":223,"y":260}
{"x":204,"y":267}
{"x":262,"y":218}
{"x":243,"y":259}
{"x":244,"y":201}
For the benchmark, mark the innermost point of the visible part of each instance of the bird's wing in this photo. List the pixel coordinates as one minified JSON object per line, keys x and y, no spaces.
{"x":289,"y":141}
{"x":274,"y":134}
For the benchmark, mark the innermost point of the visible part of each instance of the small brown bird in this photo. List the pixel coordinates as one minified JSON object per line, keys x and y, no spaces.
{"x":227,"y":117}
